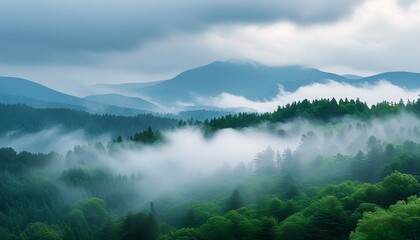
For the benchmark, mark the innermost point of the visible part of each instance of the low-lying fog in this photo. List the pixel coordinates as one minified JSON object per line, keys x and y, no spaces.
{"x":187,"y":154}
{"x":369,"y":93}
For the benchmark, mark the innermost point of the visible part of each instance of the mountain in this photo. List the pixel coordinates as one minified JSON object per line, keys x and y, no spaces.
{"x":251,"y":80}
{"x":30,"y":90}
{"x":408,"y":80}
{"x":22,"y":91}
{"x":183,"y":92}
{"x":352,"y":76}
{"x":13,"y":99}
{"x":254,"y":81}
{"x":123,"y":101}
{"x":122,"y":88}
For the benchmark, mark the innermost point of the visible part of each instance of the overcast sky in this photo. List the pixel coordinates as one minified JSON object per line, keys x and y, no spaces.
{"x":67,"y":44}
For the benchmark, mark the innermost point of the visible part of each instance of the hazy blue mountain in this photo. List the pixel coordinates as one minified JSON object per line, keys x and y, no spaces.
{"x":122,"y":89}
{"x":22,"y":91}
{"x":254,"y":81}
{"x":251,"y":80}
{"x":407,"y":80}
{"x":13,"y":99}
{"x":123,"y":101}
{"x":25,"y":88}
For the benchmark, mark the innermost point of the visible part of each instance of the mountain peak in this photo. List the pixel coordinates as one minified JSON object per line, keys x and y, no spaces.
{"x":236,"y":62}
{"x":249,"y":79}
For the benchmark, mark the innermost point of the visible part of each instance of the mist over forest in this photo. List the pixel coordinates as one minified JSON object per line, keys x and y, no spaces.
{"x":210,"y":120}
{"x":332,"y":169}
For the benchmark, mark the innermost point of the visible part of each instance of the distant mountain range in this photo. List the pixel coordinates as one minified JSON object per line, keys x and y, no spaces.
{"x":247,"y":79}
{"x":22,"y":91}
{"x":253,"y":81}
{"x":24,"y":88}
{"x":250,"y":80}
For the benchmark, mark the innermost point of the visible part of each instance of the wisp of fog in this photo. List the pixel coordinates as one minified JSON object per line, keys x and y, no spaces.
{"x":188,"y":155}
{"x":369,"y":93}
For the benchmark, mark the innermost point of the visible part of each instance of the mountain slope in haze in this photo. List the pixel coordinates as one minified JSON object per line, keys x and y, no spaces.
{"x":408,"y":80}
{"x":122,"y":88}
{"x":14,"y":99}
{"x":255,"y":81}
{"x":123,"y":101}
{"x":250,"y":80}
{"x":22,"y":91}
{"x":28,"y":89}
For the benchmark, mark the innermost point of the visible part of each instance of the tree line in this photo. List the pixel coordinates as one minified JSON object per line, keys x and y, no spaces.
{"x":322,"y":110}
{"x":24,"y":119}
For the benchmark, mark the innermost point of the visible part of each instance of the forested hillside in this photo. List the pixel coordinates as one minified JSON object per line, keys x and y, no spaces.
{"x":352,"y":172}
{"x":319,"y":110}
{"x":24,"y":119}
{"x":210,"y":120}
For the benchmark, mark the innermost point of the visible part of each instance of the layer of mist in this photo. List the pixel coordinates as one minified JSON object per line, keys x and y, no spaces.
{"x":187,"y":155}
{"x":369,"y":93}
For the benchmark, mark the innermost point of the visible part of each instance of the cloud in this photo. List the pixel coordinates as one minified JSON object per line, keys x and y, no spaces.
{"x":87,"y":42}
{"x":369,"y":93}
{"x":69,"y":31}
{"x":187,"y":156}
{"x":381,"y":35}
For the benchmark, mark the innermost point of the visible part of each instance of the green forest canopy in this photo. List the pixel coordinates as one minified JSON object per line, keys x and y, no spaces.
{"x":370,"y":195}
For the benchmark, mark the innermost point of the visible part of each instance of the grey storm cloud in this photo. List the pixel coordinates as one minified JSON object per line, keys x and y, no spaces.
{"x":54,"y":31}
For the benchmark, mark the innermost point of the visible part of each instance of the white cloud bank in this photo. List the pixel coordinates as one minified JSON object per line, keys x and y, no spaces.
{"x":369,"y":93}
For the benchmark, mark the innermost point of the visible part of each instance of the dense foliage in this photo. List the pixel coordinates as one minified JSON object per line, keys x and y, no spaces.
{"x":319,"y":110}
{"x":145,"y":137}
{"x":268,"y":202}
{"x":366,"y":188}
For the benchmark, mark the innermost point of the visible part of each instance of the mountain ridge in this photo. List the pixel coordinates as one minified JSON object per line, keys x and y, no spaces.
{"x":250,"y":80}
{"x":253,"y":81}
{"x":26,"y":88}
{"x":22,"y":91}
